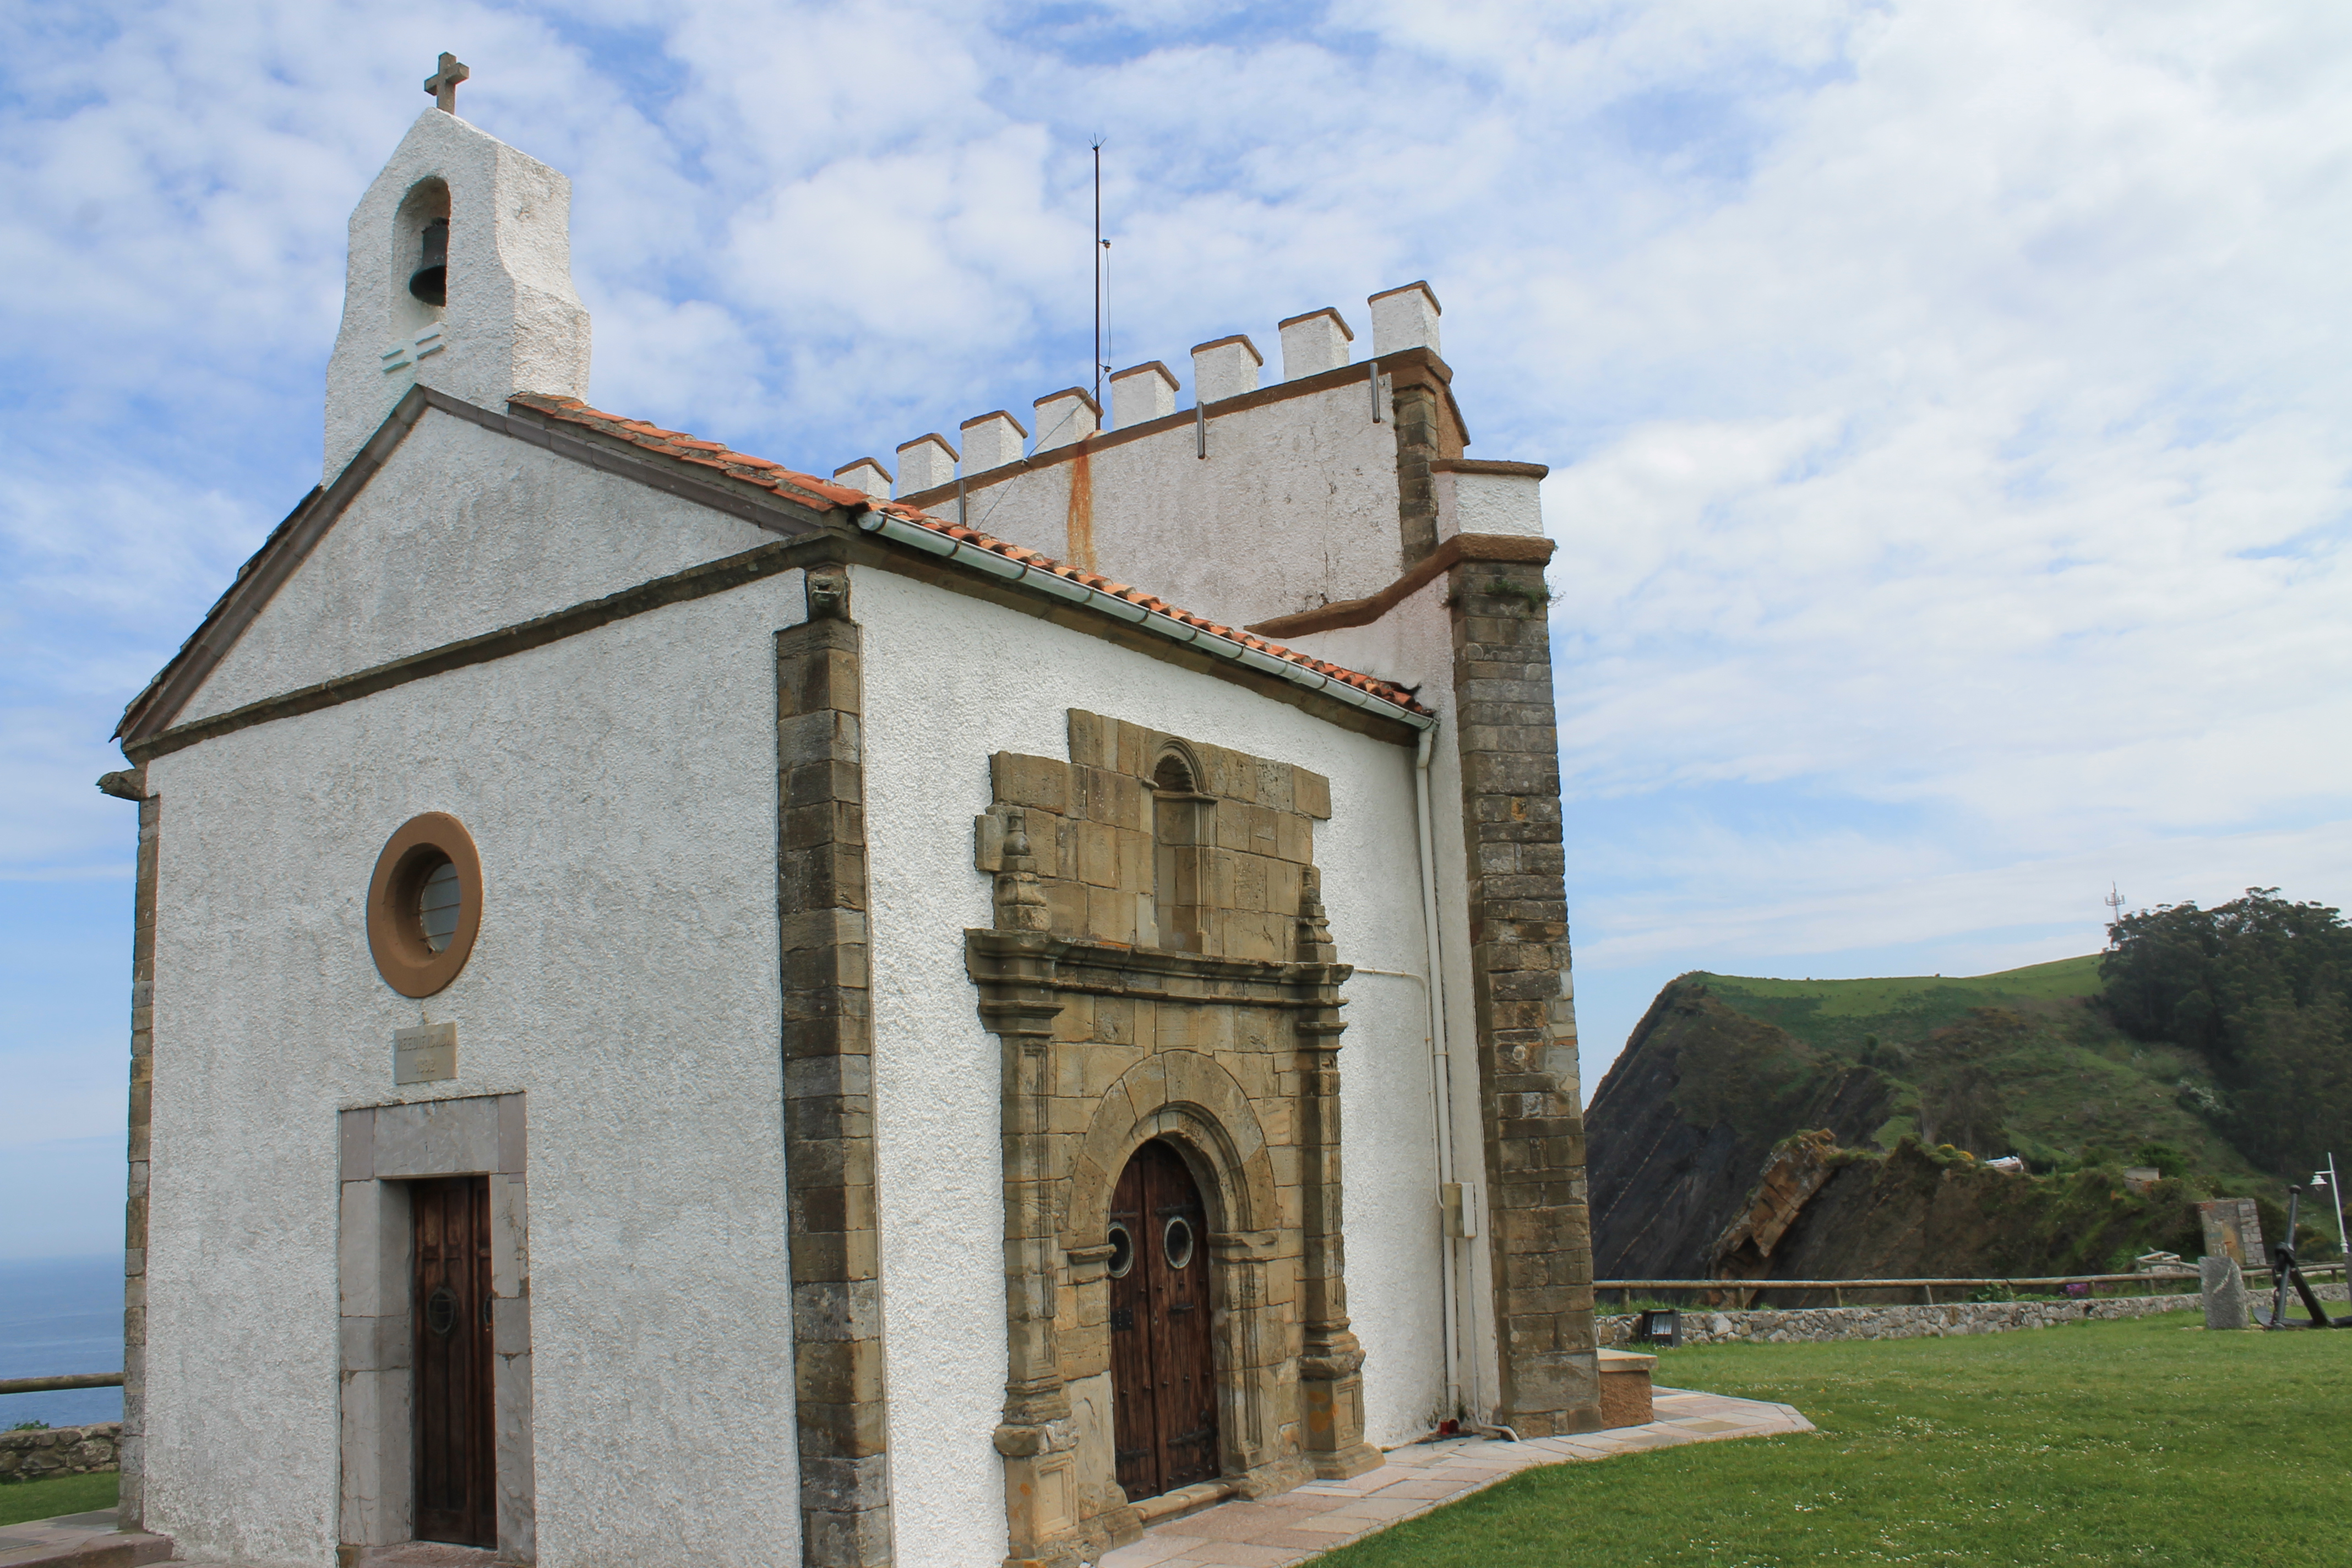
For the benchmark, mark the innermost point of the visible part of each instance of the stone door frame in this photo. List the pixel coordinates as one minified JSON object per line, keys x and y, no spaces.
{"x":384,"y":1148}
{"x":1288,"y":1368}
{"x":1226,"y":1043}
{"x":1186,"y":1100}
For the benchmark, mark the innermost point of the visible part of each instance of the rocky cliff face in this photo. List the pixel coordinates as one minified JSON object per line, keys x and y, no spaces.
{"x":1914,"y":1211}
{"x":1680,"y":1129}
{"x":1722,"y":1146}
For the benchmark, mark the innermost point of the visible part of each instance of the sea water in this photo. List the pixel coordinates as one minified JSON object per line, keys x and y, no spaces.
{"x":58,"y":1316}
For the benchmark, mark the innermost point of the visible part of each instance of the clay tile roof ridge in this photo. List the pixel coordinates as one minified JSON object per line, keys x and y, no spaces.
{"x":688,"y":448}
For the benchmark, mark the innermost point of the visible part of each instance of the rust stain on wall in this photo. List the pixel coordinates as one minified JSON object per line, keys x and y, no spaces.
{"x":1079,"y":521}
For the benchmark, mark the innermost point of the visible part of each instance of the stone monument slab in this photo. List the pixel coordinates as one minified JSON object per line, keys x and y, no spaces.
{"x":2226,"y":1303}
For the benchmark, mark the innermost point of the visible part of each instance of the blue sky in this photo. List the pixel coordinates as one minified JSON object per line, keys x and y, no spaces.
{"x":1948,"y":403}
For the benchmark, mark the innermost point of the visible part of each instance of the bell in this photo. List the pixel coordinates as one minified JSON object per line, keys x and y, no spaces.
{"x":430,"y":282}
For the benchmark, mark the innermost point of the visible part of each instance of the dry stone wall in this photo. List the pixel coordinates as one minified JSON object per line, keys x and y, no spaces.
{"x":1701,"y":1327}
{"x":61,"y":1451}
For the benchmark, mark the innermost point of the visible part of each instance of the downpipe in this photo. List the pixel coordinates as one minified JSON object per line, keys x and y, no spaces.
{"x":1440,"y":1072}
{"x":1440,"y":1065}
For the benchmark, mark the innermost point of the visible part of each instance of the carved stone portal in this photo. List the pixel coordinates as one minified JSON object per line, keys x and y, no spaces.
{"x":1160,"y":968}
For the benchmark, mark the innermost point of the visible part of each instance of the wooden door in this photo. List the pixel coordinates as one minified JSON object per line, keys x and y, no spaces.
{"x":455,"y":1466}
{"x":1162,"y":1365}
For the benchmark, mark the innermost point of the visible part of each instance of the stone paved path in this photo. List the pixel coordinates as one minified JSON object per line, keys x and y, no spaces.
{"x":79,"y":1540}
{"x":1295,"y":1525}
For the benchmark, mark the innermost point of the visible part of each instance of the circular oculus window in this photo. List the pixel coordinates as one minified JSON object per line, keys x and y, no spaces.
{"x":424,"y":904}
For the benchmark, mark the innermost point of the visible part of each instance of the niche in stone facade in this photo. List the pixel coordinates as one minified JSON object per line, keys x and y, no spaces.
{"x":1152,"y":841}
{"x":1184,"y":835}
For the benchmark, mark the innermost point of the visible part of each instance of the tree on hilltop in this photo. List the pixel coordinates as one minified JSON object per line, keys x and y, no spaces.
{"x":2262,"y":988}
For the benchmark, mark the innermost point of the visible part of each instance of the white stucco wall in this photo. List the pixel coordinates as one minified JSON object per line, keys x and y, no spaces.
{"x":1413,"y":645}
{"x":1488,"y":503}
{"x":624,"y":981}
{"x":463,"y":531}
{"x":1296,"y":504}
{"x":949,"y":681}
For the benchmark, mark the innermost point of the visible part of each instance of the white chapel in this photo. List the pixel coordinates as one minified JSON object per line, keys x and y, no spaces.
{"x":691,"y":1013}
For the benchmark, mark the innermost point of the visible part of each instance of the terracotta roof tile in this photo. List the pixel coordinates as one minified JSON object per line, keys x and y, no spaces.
{"x":826,"y":494}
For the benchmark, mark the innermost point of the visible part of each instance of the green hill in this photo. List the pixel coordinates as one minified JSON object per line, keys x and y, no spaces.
{"x":2018,"y":1062}
{"x":1826,"y":1012}
{"x":2215,"y":1045}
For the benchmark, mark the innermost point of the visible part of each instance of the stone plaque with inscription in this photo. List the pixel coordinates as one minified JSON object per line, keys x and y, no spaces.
{"x":426,"y":1053}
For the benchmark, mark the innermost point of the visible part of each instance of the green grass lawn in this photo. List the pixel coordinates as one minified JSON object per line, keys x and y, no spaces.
{"x":48,"y":1499}
{"x":2147,"y":1441}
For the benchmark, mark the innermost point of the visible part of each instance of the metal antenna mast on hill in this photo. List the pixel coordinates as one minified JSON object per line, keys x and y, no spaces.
{"x":2115,"y":902}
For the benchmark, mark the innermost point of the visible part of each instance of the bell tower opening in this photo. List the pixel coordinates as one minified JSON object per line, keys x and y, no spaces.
{"x":420,"y":256}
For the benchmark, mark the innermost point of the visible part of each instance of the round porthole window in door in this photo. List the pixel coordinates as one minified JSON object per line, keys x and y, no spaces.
{"x":424,"y":904}
{"x":1177,"y":1242}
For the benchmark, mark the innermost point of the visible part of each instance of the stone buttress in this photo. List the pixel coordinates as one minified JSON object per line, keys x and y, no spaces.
{"x":835,"y":1234}
{"x":131,"y":783}
{"x":1538,"y":1237}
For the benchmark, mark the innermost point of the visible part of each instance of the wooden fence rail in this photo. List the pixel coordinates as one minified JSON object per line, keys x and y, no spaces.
{"x":1838,"y":1287}
{"x":52,"y":1384}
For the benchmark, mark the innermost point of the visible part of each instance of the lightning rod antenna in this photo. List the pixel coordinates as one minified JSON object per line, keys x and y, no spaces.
{"x":1099,"y":260}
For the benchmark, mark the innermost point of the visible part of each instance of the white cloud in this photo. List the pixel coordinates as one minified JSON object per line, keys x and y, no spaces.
{"x":1948,"y":403}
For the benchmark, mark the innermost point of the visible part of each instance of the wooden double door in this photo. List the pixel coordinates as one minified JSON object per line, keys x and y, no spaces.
{"x":455,"y":1463}
{"x":1162,"y":1358}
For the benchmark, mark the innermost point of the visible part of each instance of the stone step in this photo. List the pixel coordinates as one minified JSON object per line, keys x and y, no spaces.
{"x":79,"y":1541}
{"x":1184,"y":1501}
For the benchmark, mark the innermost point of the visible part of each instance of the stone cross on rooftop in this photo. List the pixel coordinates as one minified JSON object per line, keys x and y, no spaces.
{"x":442,"y":84}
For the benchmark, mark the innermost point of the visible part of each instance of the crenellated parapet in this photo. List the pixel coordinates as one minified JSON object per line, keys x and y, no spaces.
{"x":1313,"y":343}
{"x":1264,"y":482}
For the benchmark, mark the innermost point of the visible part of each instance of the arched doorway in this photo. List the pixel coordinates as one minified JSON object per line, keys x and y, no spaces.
{"x":1163,"y":1370}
